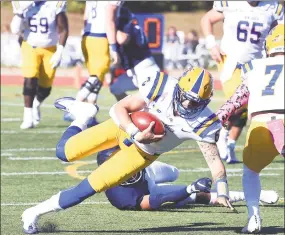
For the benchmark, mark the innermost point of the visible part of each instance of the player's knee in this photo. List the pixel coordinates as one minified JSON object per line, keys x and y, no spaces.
{"x":239,"y":120}
{"x":43,"y":93}
{"x":174,"y":175}
{"x":60,"y":151}
{"x":30,"y":86}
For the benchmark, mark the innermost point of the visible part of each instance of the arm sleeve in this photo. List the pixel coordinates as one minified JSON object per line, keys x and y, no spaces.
{"x":220,"y":5}
{"x":17,"y":25}
{"x":60,"y":7}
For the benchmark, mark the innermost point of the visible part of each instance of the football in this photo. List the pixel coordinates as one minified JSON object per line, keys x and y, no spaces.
{"x":142,"y":120}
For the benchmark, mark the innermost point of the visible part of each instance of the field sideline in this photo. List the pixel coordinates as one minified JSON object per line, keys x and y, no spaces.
{"x":31,"y":173}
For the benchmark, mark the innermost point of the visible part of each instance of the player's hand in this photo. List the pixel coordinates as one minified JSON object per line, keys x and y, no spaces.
{"x":56,"y":58}
{"x":115,"y":57}
{"x":216,"y":54}
{"x":226,"y":203}
{"x":147,"y":136}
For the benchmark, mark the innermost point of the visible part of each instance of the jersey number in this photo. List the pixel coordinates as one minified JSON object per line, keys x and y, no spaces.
{"x":242,"y":33}
{"x":34,"y":27}
{"x":277,"y":71}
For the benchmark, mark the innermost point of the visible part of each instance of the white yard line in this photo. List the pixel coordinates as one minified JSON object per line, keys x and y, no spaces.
{"x":27,"y":150}
{"x":31,"y":132}
{"x":35,"y":203}
{"x":31,"y":158}
{"x":11,"y":119}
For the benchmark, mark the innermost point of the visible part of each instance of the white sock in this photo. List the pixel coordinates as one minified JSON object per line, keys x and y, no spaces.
{"x":252,"y":189}
{"x":79,"y":124}
{"x":92,"y":98}
{"x":36,"y":103}
{"x":50,"y":205}
{"x":236,"y":196}
{"x":28,"y":114}
{"x":224,"y":133}
{"x":213,"y":199}
{"x":231,"y":141}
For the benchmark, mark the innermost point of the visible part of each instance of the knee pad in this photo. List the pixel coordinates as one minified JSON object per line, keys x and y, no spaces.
{"x":93,"y":84}
{"x":30,"y":86}
{"x":240,"y":119}
{"x":43,"y":93}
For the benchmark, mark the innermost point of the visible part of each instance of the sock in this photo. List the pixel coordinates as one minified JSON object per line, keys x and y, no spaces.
{"x":75,"y":195}
{"x":157,"y":200}
{"x":36,"y":103}
{"x":48,"y":206}
{"x":252,"y":189}
{"x":60,"y":147}
{"x":28,"y":114}
{"x":213,"y":199}
{"x":236,"y":196}
{"x":79,"y":124}
{"x":222,"y":143}
{"x":231,"y":141}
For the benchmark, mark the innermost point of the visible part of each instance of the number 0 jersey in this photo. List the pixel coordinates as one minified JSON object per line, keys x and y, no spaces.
{"x":95,"y":16}
{"x":157,"y":91}
{"x":265,"y":79}
{"x":40,"y":23}
{"x":246,"y":27}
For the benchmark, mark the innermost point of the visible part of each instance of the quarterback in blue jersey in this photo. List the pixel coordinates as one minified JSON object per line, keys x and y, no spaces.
{"x":136,"y":57}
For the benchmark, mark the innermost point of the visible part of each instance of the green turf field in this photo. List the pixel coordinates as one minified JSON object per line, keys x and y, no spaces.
{"x":31,"y":173}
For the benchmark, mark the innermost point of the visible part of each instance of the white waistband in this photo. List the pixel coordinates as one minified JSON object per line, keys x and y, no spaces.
{"x":265,"y":117}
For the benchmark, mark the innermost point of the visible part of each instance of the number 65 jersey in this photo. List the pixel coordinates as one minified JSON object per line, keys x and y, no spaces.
{"x":40,"y":23}
{"x":246,"y":27}
{"x":265,"y":80}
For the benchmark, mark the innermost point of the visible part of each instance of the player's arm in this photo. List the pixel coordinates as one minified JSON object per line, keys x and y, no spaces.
{"x":218,"y":171}
{"x":122,"y":37}
{"x":207,"y":24}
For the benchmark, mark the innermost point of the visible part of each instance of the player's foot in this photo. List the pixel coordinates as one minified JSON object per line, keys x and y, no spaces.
{"x":36,"y":115}
{"x":30,"y":221}
{"x":253,"y":225}
{"x":231,"y":155}
{"x":80,"y":110}
{"x":269,"y":196}
{"x":68,"y":117}
{"x":27,"y":125}
{"x":201,"y":185}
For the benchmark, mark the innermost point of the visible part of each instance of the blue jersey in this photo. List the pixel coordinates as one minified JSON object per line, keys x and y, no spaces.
{"x":127,"y":196}
{"x":136,"y":50}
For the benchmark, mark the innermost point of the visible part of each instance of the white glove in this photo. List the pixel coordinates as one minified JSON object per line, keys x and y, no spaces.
{"x":20,"y":6}
{"x":56,"y":58}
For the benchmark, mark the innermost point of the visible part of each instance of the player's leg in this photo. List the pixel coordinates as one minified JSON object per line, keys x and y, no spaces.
{"x":257,"y":154}
{"x":123,"y":84}
{"x":96,"y":54}
{"x":30,"y":69}
{"x":46,"y":77}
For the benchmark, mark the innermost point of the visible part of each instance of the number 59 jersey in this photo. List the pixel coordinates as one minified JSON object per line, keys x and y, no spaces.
{"x":246,"y":27}
{"x":40,"y":23}
{"x":265,"y":79}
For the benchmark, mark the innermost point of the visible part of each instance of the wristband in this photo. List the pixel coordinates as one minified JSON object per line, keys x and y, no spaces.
{"x":210,"y":41}
{"x":114,"y":47}
{"x":222,"y":188}
{"x":132,"y":130}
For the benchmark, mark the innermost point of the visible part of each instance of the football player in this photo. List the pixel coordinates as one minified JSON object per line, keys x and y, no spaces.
{"x":263,"y":88}
{"x":149,"y":189}
{"x":245,"y":25}
{"x":136,"y":58}
{"x":181,"y":104}
{"x":98,"y":43}
{"x":44,"y":26}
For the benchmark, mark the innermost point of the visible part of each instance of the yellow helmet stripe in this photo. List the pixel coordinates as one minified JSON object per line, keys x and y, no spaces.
{"x":279,"y":9}
{"x":158,"y":86}
{"x":197,"y":86}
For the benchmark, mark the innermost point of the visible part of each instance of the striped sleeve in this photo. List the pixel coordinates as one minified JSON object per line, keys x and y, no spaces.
{"x":279,"y":12}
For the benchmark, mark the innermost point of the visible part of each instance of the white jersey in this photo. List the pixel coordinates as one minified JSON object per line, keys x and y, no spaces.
{"x":246,"y":27}
{"x":157,"y":90}
{"x":40,"y":23}
{"x":265,"y":79}
{"x":95,"y":17}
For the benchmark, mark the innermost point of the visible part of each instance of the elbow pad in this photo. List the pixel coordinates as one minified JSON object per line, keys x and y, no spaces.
{"x":16,"y":24}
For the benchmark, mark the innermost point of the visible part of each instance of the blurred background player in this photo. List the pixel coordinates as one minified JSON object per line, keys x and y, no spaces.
{"x":246,"y":25}
{"x":136,"y":57}
{"x":44,"y":26}
{"x":263,"y":86}
{"x":149,"y":189}
{"x":98,"y":43}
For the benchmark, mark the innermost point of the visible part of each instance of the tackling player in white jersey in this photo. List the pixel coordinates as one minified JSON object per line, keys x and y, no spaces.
{"x":263,"y":89}
{"x":44,"y":26}
{"x":180,"y":104}
{"x":245,"y":26}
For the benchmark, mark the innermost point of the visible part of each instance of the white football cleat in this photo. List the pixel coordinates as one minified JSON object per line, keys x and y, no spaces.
{"x":81,"y":111}
{"x":231,"y":155}
{"x":27,"y":125}
{"x":253,"y":225}
{"x":30,"y":221}
{"x":269,"y":196}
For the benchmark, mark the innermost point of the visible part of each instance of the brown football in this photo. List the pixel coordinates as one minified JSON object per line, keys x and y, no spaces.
{"x":142,"y":120}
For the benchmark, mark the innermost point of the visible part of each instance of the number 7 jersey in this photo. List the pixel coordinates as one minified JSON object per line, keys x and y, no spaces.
{"x":265,"y":79}
{"x":40,"y":23}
